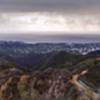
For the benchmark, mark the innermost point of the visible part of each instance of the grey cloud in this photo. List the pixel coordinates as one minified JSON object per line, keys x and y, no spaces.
{"x":50,"y":5}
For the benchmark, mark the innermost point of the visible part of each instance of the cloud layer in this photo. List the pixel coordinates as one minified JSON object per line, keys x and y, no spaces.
{"x":87,"y":6}
{"x":66,"y":16}
{"x":40,"y":22}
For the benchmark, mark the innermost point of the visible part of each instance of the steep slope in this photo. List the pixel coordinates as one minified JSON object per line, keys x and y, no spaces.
{"x":62,"y":60}
{"x":51,"y":84}
{"x":92,"y":78}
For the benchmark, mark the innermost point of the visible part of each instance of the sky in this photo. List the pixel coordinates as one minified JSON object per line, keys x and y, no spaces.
{"x":49,"y":17}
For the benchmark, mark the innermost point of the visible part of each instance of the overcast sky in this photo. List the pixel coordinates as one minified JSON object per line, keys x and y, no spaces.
{"x":50,"y":5}
{"x":49,"y":17}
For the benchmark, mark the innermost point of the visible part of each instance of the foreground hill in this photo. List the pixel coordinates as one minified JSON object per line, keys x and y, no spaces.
{"x":50,"y":84}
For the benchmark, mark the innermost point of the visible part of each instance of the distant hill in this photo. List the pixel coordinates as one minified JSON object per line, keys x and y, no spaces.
{"x":94,"y":53}
{"x":20,"y":48}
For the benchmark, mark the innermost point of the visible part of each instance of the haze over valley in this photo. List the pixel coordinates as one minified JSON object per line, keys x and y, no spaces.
{"x":53,"y":38}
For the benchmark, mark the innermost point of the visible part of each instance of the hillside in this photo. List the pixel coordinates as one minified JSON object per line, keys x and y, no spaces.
{"x":50,"y":84}
{"x":56,"y":75}
{"x":62,"y":60}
